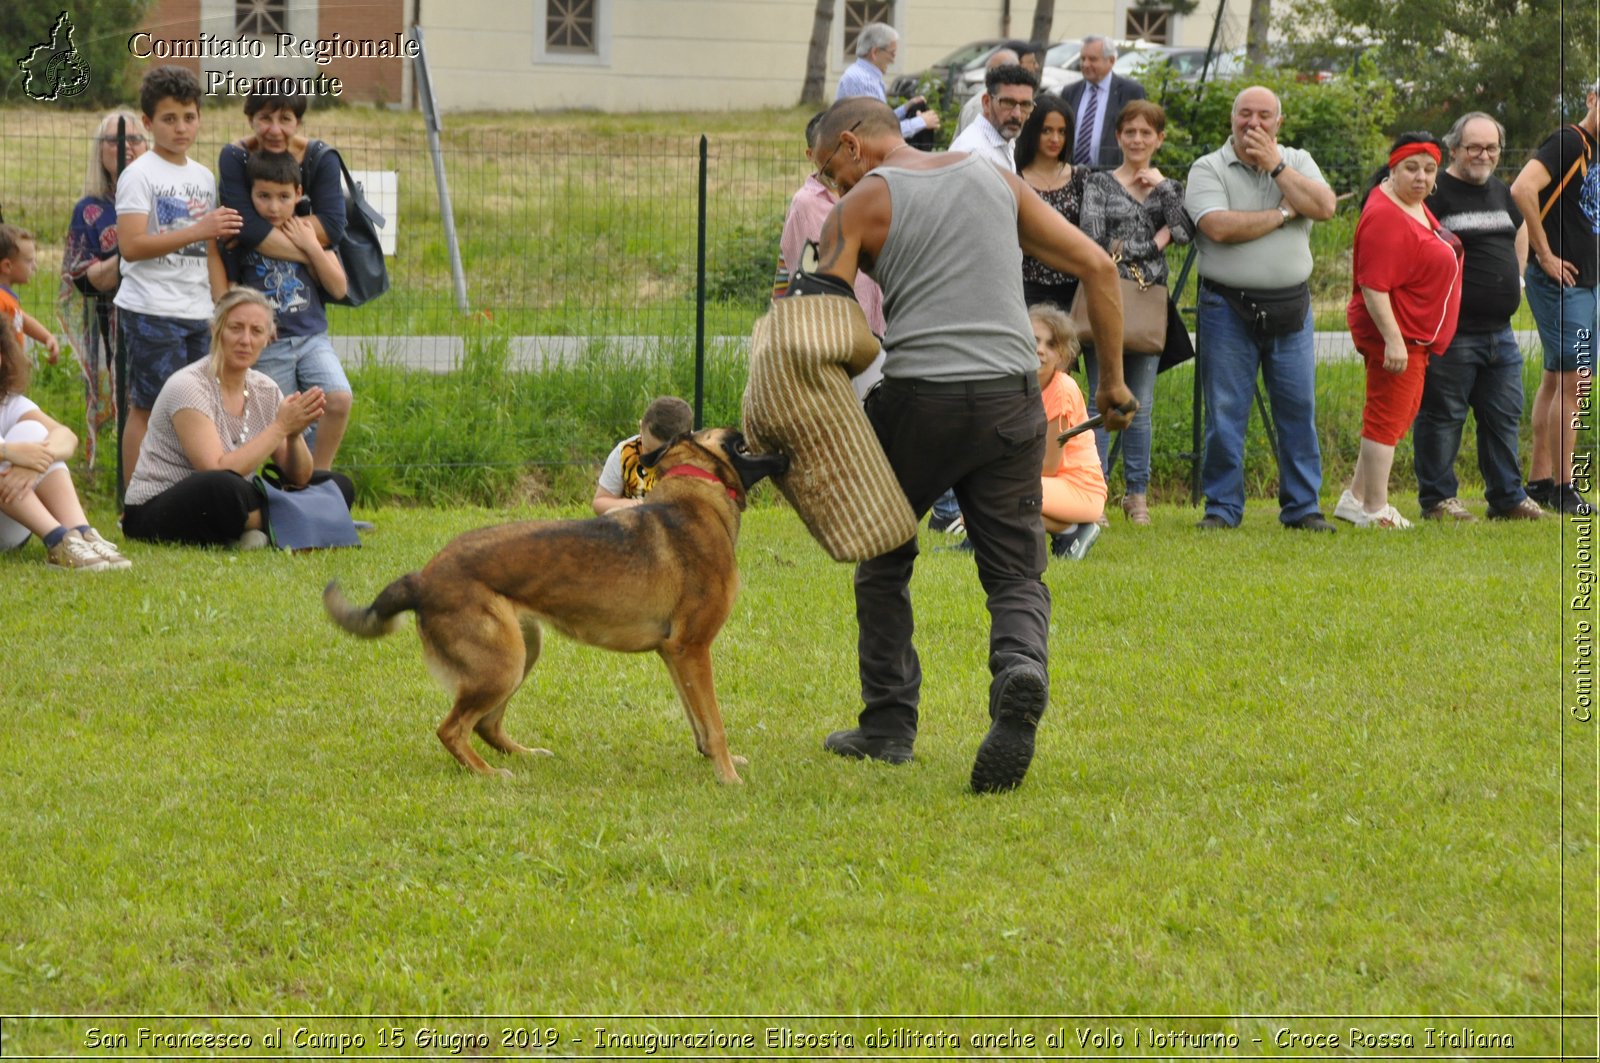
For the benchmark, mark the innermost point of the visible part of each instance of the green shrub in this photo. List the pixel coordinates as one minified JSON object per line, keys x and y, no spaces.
{"x":1341,"y":122}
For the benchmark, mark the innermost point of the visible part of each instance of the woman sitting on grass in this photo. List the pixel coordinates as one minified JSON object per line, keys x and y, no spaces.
{"x":1074,"y":486}
{"x":213,"y":425}
{"x":36,"y":492}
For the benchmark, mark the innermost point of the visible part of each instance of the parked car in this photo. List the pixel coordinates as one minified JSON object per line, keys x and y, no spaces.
{"x":1182,"y":64}
{"x":947,"y":71}
{"x":1051,"y":77}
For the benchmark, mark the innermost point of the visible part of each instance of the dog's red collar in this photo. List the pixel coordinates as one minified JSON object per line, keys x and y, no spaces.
{"x":700,"y":474}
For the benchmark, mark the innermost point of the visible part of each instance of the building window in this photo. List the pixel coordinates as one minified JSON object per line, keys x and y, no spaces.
{"x":859,"y":14}
{"x":570,"y":27}
{"x":1153,"y":24}
{"x":261,"y":18}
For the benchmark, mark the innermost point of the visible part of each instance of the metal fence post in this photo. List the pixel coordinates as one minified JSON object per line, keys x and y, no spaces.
{"x":700,"y":298}
{"x":430,"y":114}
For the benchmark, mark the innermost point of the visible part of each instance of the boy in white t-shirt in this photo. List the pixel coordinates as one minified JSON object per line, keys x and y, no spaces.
{"x":168,"y":225}
{"x":625,"y":480}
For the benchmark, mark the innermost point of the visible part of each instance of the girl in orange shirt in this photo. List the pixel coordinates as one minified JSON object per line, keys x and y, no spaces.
{"x":1074,"y":487}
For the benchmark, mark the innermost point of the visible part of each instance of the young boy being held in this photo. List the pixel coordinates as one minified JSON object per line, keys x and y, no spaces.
{"x":168,"y":225}
{"x":17,"y":263}
{"x":623,"y":481}
{"x":302,"y":356}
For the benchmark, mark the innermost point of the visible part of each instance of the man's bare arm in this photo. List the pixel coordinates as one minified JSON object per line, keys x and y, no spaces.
{"x":1239,"y":226}
{"x":1045,"y":235}
{"x":1307,"y":196}
{"x":1525,"y":190}
{"x":854,"y":231}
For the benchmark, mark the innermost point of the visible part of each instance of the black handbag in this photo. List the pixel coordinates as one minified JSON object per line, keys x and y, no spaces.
{"x":359,"y":250}
{"x":314,"y":517}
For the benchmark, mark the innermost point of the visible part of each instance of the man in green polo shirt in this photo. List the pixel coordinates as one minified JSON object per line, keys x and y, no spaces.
{"x":1253,"y":201}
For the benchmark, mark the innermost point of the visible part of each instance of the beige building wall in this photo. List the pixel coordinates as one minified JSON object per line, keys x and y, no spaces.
{"x":711,"y":54}
{"x":664,"y":54}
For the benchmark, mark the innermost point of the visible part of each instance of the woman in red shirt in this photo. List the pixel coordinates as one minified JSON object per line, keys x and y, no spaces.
{"x":1407,"y":295}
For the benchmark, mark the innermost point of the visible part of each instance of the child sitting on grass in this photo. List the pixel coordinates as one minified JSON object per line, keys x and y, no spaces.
{"x":1074,"y":486}
{"x":36,"y":492}
{"x":623,"y":481}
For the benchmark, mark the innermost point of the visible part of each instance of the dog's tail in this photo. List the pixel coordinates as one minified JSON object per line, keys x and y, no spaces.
{"x":377,"y":619}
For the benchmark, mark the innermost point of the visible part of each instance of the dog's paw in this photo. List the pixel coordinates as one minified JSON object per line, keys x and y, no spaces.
{"x":501,"y":773}
{"x":739,"y":761}
{"x":538,"y":753}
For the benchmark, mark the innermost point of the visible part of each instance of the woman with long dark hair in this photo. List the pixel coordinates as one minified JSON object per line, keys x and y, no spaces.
{"x":1043,"y":155}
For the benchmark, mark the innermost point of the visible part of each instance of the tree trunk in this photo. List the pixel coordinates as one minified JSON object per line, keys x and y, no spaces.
{"x":1256,"y":34}
{"x":811,"y":91}
{"x":1044,"y":13}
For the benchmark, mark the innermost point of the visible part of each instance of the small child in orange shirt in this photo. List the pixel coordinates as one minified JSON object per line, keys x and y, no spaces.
{"x":1074,"y":486}
{"x":18,"y":260}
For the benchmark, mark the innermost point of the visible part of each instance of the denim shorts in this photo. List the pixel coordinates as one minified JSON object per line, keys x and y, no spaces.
{"x":1567,"y":321}
{"x":157,"y":347}
{"x":298,"y":363}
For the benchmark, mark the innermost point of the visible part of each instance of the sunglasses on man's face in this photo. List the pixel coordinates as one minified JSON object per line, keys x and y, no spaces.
{"x":822,"y":171}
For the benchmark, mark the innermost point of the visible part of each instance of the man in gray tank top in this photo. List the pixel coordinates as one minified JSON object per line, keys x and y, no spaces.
{"x":959,"y":407}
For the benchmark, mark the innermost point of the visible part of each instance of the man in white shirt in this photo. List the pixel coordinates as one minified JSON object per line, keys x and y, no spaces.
{"x":877,"y":45}
{"x":974,"y":105}
{"x":1007,"y":102}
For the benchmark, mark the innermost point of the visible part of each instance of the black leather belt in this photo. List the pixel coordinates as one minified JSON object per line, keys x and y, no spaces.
{"x":1025,"y":383}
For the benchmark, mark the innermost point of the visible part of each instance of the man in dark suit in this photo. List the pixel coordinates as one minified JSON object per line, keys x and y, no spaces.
{"x":1096,"y":101}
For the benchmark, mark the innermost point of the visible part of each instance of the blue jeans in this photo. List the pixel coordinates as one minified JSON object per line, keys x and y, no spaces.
{"x":1139,"y":372}
{"x":1229,"y":355}
{"x":1481,"y":371}
{"x":945,"y":507}
{"x":1567,"y":320}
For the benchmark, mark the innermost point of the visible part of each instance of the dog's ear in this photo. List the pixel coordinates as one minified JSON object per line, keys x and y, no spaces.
{"x":649,"y":460}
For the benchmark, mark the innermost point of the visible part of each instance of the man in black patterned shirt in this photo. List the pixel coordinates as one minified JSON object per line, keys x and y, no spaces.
{"x":1482,"y":368}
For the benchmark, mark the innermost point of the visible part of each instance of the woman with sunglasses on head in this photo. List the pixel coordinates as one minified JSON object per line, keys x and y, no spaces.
{"x":1044,"y":161}
{"x":91,"y":268}
{"x":1407,"y":297}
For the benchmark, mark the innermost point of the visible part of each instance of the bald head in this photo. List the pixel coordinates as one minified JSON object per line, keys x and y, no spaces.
{"x":1259,"y":97}
{"x":1004,"y":57}
{"x":871,"y":130}
{"x":866,"y":116}
{"x":1257,"y":107}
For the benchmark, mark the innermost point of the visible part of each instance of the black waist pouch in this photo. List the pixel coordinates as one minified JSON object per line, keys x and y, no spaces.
{"x":1269,"y":311}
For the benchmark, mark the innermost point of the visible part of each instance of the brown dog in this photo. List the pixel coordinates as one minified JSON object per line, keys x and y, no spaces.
{"x":660,"y":576}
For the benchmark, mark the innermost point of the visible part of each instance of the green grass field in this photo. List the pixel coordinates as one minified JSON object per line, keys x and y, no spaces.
{"x":1281,"y":775}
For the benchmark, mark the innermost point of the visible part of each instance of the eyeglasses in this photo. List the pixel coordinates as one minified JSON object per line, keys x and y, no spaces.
{"x":130,"y":139}
{"x":822,"y":170}
{"x":1003,"y":104}
{"x":1481,"y":149}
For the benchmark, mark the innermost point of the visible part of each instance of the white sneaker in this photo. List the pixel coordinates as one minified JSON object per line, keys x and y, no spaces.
{"x":1388,"y":517}
{"x":254,"y":539}
{"x":1348,"y":508}
{"x":113,"y":556}
{"x":74,"y":552}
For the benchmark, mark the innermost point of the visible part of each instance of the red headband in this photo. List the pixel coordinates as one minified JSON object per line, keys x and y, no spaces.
{"x":1405,"y":151}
